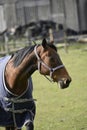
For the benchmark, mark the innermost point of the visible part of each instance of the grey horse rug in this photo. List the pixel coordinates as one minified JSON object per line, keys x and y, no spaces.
{"x":15,"y":110}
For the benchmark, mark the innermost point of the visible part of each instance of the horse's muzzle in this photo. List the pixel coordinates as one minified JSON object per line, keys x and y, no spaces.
{"x":64,"y":83}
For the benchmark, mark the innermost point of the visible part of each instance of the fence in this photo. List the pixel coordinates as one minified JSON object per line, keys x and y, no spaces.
{"x":8,"y":47}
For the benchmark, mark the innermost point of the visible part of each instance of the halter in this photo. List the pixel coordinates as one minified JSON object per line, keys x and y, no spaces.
{"x":45,"y":65}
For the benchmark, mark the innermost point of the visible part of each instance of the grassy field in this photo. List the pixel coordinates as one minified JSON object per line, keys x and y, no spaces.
{"x":63,"y":109}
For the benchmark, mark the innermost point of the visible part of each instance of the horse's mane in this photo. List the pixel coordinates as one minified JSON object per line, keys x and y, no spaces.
{"x":21,"y":54}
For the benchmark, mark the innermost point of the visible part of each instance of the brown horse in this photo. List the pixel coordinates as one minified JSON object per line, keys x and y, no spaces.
{"x":19,"y":105}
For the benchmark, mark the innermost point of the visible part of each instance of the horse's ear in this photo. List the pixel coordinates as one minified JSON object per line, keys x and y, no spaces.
{"x":44,"y":43}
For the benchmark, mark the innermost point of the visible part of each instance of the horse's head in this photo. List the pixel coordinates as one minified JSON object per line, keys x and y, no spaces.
{"x":49,"y":63}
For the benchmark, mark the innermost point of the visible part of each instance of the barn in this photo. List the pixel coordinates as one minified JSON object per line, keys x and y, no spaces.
{"x":73,"y":13}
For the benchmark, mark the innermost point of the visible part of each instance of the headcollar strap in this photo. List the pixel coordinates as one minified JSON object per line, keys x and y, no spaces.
{"x":45,"y":65}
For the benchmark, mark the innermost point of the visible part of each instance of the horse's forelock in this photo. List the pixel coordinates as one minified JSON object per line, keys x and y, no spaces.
{"x":52,"y":46}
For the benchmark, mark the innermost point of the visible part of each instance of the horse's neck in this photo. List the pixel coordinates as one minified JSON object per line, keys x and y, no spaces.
{"x":28,"y":66}
{"x":17,"y":77}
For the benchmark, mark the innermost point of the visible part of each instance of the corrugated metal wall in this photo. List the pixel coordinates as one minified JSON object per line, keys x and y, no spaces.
{"x":2,"y":19}
{"x":28,"y":11}
{"x":82,"y":10}
{"x":57,"y":11}
{"x":25,"y":11}
{"x":71,"y":14}
{"x":44,"y":10}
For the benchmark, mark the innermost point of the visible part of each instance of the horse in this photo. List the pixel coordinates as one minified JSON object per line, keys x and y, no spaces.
{"x":17,"y":105}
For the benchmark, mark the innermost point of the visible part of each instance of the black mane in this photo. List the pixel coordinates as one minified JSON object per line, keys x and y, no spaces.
{"x":21,"y":54}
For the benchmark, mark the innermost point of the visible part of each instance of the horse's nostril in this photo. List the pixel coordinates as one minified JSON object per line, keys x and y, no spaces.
{"x":64,"y":83}
{"x":68,"y":81}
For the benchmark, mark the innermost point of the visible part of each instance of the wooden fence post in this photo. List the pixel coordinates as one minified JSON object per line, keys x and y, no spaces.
{"x":51,"y":36}
{"x":6,"y":43}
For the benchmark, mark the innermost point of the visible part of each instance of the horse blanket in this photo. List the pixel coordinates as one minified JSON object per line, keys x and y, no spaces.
{"x":15,"y":110}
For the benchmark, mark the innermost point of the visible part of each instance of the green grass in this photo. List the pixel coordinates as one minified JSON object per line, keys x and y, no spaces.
{"x":63,"y":109}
